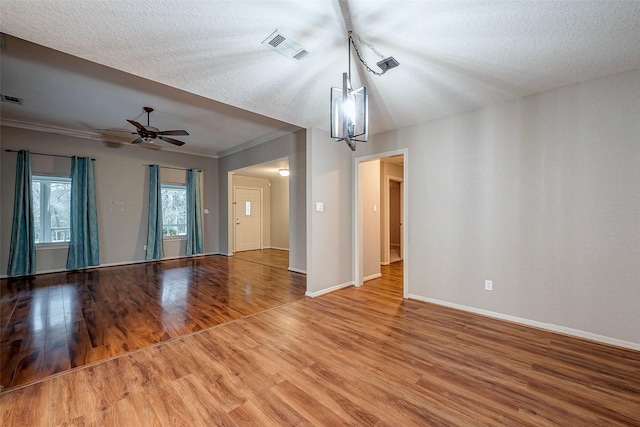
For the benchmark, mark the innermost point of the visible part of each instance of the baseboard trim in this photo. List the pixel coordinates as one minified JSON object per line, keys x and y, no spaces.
{"x":373,"y":276}
{"x":328,"y":290}
{"x":296,"y":270}
{"x":111,"y":264}
{"x":533,"y":323}
{"x":276,"y":248}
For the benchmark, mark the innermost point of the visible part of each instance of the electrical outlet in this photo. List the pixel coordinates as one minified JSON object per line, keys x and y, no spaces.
{"x":488,"y":285}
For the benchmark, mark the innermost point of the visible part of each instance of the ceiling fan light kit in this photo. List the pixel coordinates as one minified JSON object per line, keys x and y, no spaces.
{"x":151,"y":134}
{"x":350,"y":107}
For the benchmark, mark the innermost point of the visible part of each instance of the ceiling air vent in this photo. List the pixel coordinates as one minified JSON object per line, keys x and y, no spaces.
{"x":11,"y":99}
{"x":301,"y":55}
{"x":277,"y":40}
{"x":285,"y":46}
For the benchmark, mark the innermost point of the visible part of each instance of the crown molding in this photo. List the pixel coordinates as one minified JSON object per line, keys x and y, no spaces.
{"x":39,"y":127}
{"x":95,"y":136}
{"x":264,"y":138}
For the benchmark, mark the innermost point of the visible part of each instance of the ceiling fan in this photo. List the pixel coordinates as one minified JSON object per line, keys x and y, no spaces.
{"x":151,"y":134}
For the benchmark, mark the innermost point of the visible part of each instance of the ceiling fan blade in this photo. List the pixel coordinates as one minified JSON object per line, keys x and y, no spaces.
{"x":116,"y":131}
{"x":137,"y":141}
{"x":173,"y":132}
{"x":171,"y":141}
{"x":136,"y":124}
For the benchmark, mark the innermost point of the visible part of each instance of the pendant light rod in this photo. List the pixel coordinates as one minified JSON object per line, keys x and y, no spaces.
{"x":349,"y":55}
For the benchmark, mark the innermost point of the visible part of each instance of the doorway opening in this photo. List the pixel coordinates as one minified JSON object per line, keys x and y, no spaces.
{"x":259,"y":225}
{"x":394,"y":220}
{"x":380,"y":234}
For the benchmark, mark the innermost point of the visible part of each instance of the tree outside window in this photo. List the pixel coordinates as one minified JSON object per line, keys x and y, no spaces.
{"x":174,"y":210}
{"x":51,"y":208}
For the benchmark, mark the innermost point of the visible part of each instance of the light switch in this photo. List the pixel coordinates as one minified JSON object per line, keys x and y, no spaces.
{"x":375,"y":208}
{"x":319,"y":206}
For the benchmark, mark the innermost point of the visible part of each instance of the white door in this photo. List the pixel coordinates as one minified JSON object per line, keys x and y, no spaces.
{"x":248,"y":226}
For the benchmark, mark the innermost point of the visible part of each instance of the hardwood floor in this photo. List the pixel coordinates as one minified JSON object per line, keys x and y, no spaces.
{"x":358,"y":356}
{"x":273,"y":257}
{"x":55,"y":322}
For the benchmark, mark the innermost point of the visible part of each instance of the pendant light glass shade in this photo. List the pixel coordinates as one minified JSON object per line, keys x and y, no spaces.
{"x":349,"y":113}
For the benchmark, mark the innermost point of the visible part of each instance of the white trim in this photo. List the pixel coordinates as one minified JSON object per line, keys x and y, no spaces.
{"x":38,"y":127}
{"x":260,"y":140}
{"x":328,"y":290}
{"x":533,"y":323}
{"x":356,"y":232}
{"x":176,"y":238}
{"x":296,"y":270}
{"x":385,"y":263}
{"x":47,"y":246}
{"x":277,"y":248}
{"x":373,"y":276}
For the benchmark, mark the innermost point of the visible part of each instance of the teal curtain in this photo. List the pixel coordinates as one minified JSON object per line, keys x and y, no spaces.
{"x":194,"y":213}
{"x":83,"y":245}
{"x":155,"y":244}
{"x":22,"y":253}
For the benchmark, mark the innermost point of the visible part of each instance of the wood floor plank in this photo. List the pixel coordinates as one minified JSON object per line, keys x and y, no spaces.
{"x":202,"y":404}
{"x":272,"y":257}
{"x":35,"y":413}
{"x":108,"y":312}
{"x":358,"y":356}
{"x":248,"y":415}
{"x":307,"y":405}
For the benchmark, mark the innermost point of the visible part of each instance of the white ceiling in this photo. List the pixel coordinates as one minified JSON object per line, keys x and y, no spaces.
{"x":194,"y":60}
{"x":265,"y":170}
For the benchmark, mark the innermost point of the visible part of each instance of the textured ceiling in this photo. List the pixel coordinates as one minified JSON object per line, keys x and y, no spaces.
{"x":454,"y":56}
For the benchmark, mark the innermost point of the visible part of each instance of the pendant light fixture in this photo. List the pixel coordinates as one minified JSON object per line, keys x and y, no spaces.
{"x":349,"y":109}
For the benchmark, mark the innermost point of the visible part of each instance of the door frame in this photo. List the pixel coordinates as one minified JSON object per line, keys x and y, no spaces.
{"x":387,"y":225}
{"x":232,"y":218}
{"x":357,"y":229}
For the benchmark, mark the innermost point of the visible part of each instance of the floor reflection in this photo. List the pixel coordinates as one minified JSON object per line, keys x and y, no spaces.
{"x":55,"y":322}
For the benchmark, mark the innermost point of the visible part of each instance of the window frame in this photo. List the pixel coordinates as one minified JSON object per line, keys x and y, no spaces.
{"x":174,"y":186}
{"x":45,"y":208}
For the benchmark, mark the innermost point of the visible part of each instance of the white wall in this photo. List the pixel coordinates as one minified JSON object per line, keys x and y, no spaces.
{"x":122,"y":181}
{"x":280,"y":212}
{"x":369,"y":214}
{"x":292,"y":146}
{"x":541,"y":195}
{"x":329,"y":233}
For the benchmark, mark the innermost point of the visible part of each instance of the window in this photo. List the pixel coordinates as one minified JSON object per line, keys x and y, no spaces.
{"x":51,"y":208}
{"x":174,"y":210}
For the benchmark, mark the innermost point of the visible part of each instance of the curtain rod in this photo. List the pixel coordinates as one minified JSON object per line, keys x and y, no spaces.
{"x":43,"y":154}
{"x":178,"y":169}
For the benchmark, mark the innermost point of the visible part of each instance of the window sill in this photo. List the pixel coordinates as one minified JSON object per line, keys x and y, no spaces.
{"x":49,"y":246}
{"x":169,"y":238}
